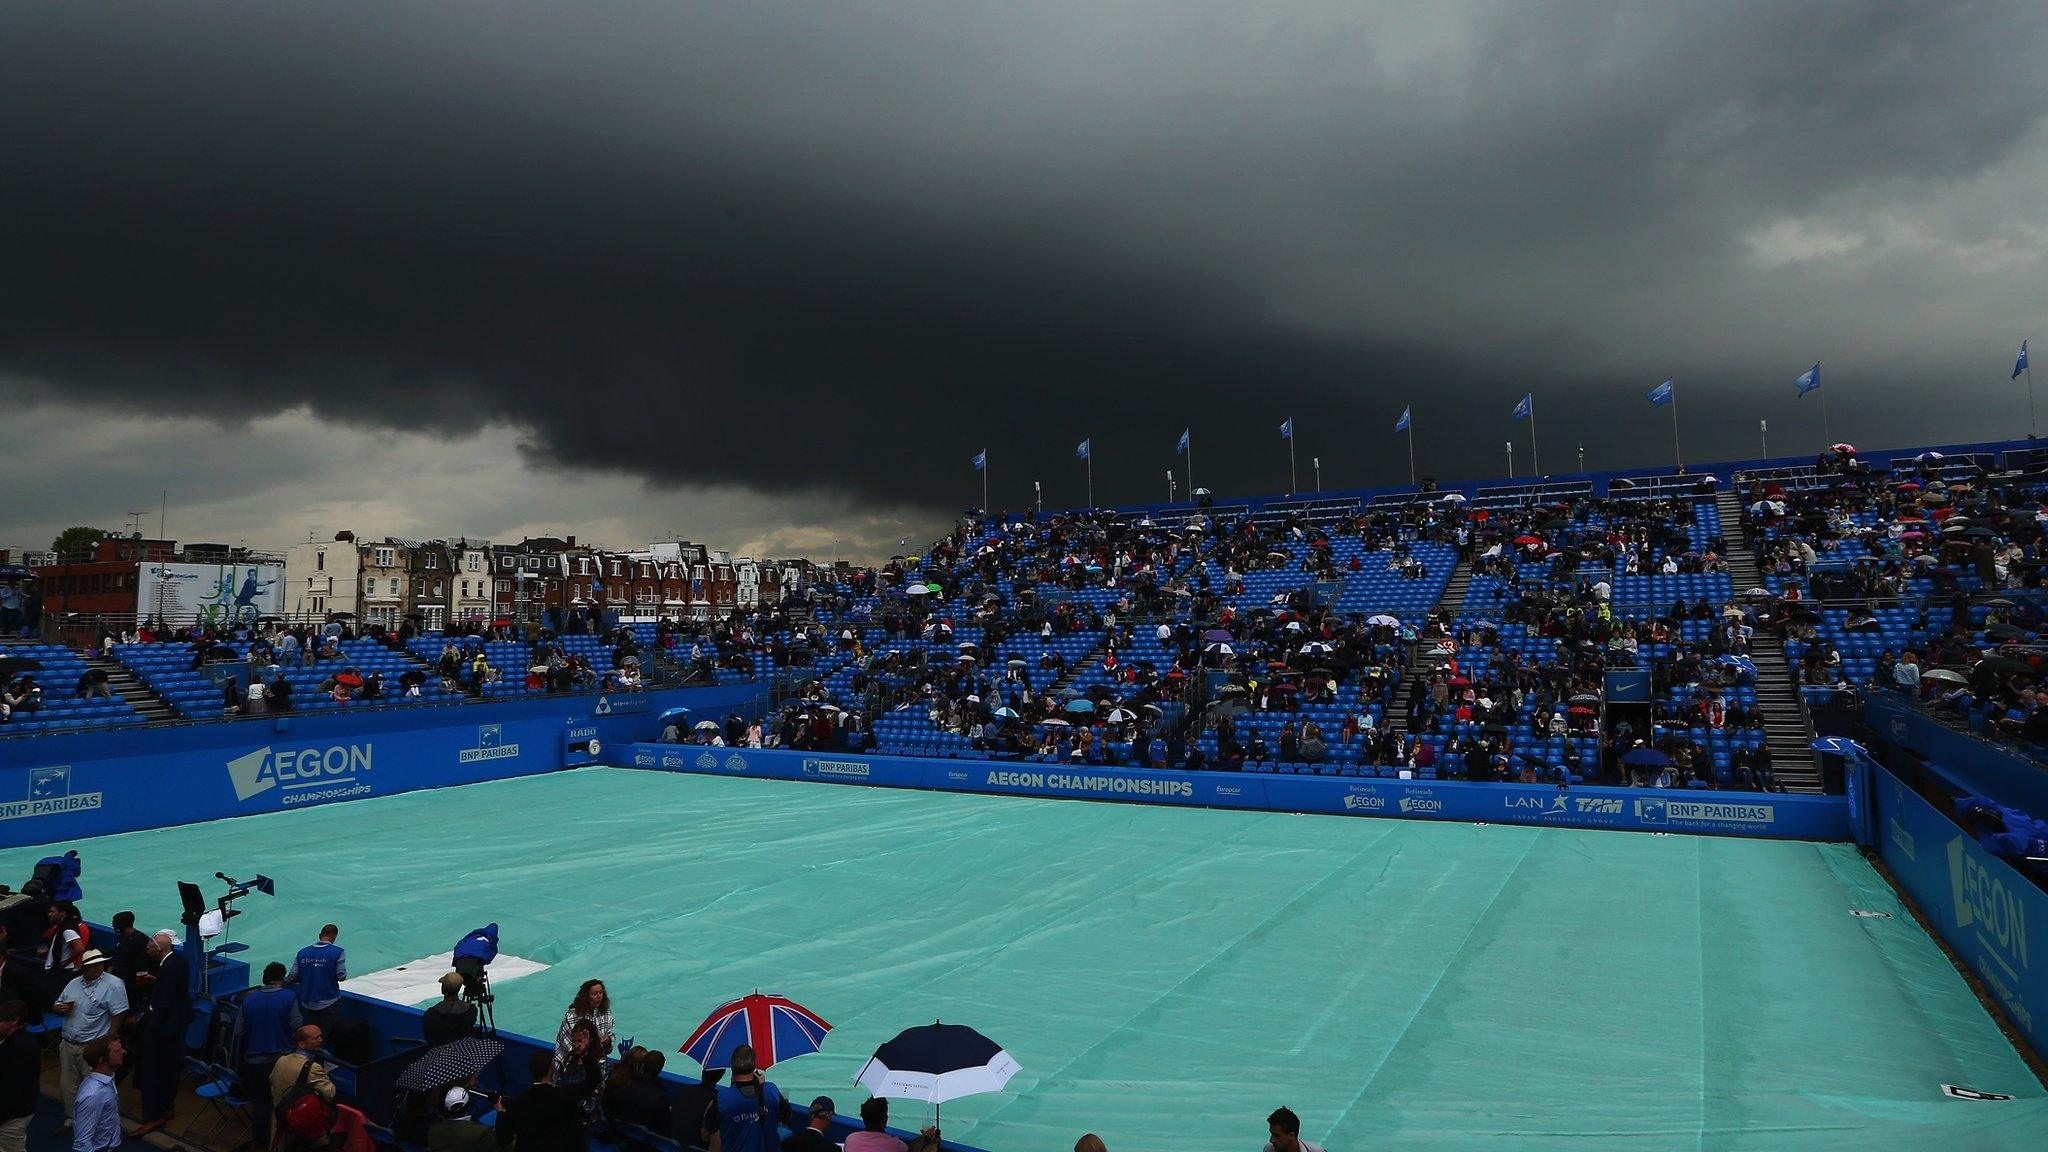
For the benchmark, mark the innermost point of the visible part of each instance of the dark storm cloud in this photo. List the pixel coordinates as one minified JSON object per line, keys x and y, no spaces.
{"x":846,"y":246}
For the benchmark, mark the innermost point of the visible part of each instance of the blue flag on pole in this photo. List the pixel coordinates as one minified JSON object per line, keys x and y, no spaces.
{"x":1401,"y":425}
{"x":981,"y":460}
{"x":1181,"y":449}
{"x":1527,"y":405}
{"x":1287,"y":429}
{"x":1661,"y":394}
{"x":1808,"y":380}
{"x":2021,"y":365}
{"x":1081,"y":450}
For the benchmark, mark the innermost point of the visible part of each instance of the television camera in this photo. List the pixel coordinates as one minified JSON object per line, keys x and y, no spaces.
{"x":473,"y":955}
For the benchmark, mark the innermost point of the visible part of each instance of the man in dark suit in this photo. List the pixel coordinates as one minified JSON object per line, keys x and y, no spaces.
{"x":161,"y":1055}
{"x":690,"y":1111}
{"x":643,"y":1100}
{"x":543,"y":1118}
{"x":21,"y":1076}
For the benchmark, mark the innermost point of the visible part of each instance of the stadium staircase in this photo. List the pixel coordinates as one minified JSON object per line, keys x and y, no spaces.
{"x":1452,"y":603}
{"x":1089,"y":663}
{"x":127,"y":686}
{"x":1426,"y":657}
{"x":1788,"y":732}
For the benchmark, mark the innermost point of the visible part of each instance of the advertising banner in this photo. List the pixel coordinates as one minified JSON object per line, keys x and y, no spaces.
{"x":182,"y":594}
{"x":1996,"y":920}
{"x":1774,"y":816}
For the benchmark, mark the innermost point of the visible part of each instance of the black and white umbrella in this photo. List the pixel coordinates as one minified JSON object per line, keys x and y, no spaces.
{"x":936,"y":1063}
{"x":449,"y":1063}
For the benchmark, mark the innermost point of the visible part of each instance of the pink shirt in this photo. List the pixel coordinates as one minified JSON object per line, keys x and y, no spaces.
{"x":865,"y":1141}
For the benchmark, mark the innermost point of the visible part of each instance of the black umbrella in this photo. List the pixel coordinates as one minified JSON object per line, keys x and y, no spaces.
{"x":449,"y":1063}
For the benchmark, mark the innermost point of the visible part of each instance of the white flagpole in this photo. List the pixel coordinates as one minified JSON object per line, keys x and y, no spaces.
{"x":2033,"y":429}
{"x":1763,"y":435}
{"x":1511,"y":459}
{"x":1535,"y":461}
{"x":1411,"y":449}
{"x":1191,"y":465}
{"x":1676,"y":451}
{"x":1292,"y":486}
{"x":1091,"y":474}
{"x":1824,"y":433}
{"x":1316,"y":462}
{"x":984,"y":484}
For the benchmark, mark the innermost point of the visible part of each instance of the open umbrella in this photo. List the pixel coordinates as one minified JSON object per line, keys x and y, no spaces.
{"x":1844,"y":449}
{"x":1216,"y":636}
{"x":449,"y":1063}
{"x":1004,"y":714}
{"x":707,"y":726}
{"x":1383,"y":621}
{"x":1221,"y":650}
{"x":1121,"y":716}
{"x":1646,"y":757}
{"x":1945,"y":675}
{"x":777,"y":1028}
{"x":1080,"y":704}
{"x":936,"y":1063}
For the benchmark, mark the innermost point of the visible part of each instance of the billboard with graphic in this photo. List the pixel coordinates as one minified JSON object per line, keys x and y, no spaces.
{"x":182,"y":594}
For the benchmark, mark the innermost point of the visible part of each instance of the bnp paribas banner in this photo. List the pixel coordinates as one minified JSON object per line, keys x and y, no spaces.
{"x":209,"y":593}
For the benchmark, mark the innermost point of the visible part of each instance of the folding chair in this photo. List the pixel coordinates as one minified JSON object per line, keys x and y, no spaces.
{"x":220,"y":1086}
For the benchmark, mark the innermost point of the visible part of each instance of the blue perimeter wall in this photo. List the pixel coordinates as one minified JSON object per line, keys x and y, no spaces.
{"x":72,"y":785}
{"x":1775,"y":816}
{"x":1996,"y":920}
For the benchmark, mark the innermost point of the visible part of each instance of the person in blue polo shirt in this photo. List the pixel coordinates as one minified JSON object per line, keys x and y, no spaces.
{"x":750,"y":1110}
{"x":264,"y":1029}
{"x":317,"y":973}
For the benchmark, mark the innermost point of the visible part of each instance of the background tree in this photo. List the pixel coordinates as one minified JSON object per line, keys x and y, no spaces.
{"x":80,"y":540}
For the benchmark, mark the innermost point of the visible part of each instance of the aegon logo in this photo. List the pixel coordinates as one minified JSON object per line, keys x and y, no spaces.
{"x":1364,"y":803}
{"x":1982,"y":898}
{"x":261,"y":770}
{"x":1412,"y":804}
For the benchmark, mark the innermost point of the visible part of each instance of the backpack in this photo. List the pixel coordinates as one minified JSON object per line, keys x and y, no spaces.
{"x":303,"y":1113}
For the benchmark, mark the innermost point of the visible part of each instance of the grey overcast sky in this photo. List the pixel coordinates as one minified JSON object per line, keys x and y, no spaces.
{"x":767,"y":274}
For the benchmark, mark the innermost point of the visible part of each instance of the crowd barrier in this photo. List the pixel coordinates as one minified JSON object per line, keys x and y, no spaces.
{"x":65,"y":786}
{"x":1773,"y":816}
{"x":1996,"y":920}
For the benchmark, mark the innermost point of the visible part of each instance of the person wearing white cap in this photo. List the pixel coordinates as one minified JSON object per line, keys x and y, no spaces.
{"x":90,"y":1005}
{"x":456,"y":1130}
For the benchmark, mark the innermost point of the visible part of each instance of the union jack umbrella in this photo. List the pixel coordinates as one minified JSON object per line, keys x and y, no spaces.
{"x":776,"y":1027}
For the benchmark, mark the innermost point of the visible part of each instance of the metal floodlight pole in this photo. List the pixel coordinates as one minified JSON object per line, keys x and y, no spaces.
{"x":1763,"y":435}
{"x":1511,"y":459}
{"x":1316,"y":462}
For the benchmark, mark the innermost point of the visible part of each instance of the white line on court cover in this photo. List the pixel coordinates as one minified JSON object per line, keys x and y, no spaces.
{"x":419,"y":981}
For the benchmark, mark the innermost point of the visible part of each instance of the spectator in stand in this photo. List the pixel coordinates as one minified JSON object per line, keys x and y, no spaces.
{"x":874,"y":1134}
{"x":93,"y":685}
{"x":130,"y":951}
{"x":21,"y":1076}
{"x":592,"y":1006}
{"x":304,"y":1057}
{"x":579,"y":1071}
{"x":1283,"y":1133}
{"x":20,"y":981}
{"x":1090,"y":1142}
{"x":263,"y":1033}
{"x":455,"y":1130}
{"x":543,"y":1118}
{"x":750,"y":1108}
{"x":691,"y":1117}
{"x":317,"y":973}
{"x":452,"y":1018}
{"x":640,"y":1098}
{"x":10,"y":606}
{"x":160,"y":1060}
{"x":812,"y":1137}
{"x":91,"y":1005}
{"x":97,"y":1103}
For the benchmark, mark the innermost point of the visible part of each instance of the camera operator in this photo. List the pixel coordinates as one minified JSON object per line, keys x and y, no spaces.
{"x":451,"y":1019}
